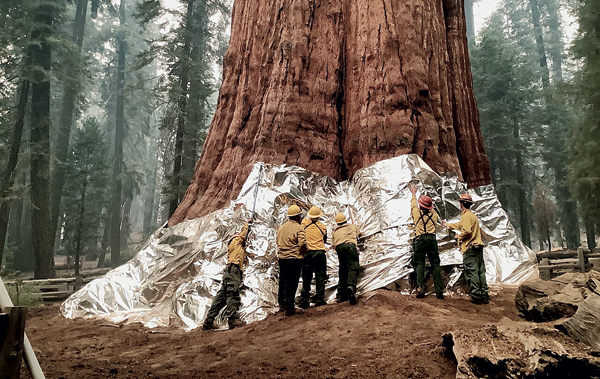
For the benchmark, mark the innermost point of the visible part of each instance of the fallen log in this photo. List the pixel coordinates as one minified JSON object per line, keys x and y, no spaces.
{"x":549,"y":300}
{"x":584,"y":326}
{"x":514,"y":349}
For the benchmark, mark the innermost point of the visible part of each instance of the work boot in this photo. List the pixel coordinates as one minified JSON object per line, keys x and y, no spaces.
{"x":351,"y":295}
{"x":421,"y":293}
{"x":236,"y":323}
{"x":208,"y":325}
{"x":293,"y":311}
{"x":281,"y":308}
{"x":340,"y":299}
{"x":476,"y":301}
{"x":440,"y":296}
{"x":320,"y":302}
{"x":304,"y":303}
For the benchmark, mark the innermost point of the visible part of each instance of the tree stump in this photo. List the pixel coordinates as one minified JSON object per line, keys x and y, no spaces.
{"x":337,"y":86}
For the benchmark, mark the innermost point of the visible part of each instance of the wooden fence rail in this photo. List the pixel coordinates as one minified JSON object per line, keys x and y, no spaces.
{"x":555,"y":263}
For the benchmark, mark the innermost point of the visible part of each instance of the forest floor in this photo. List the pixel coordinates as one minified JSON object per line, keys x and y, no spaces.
{"x":387,"y":335}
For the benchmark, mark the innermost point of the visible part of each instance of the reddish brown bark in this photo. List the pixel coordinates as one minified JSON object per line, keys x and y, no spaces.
{"x":336,"y":86}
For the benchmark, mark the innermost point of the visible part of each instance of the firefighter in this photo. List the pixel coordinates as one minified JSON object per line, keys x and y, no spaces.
{"x":291,"y":247}
{"x":315,"y":260}
{"x":425,"y":244}
{"x":471,"y":245}
{"x":345,"y":237}
{"x":229,"y":293}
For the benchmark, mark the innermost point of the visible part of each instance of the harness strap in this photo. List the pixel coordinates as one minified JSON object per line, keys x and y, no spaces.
{"x":317,"y":225}
{"x":430,"y":215}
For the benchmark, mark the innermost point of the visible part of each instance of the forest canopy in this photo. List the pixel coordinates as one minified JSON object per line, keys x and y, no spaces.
{"x":105,"y":106}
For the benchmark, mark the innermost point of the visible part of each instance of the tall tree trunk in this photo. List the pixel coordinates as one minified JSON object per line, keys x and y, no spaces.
{"x":149,"y":223}
{"x":522,"y":198}
{"x":24,"y":259}
{"x":539,"y":42}
{"x":80,"y":226}
{"x":8,"y":176}
{"x":71,"y":91}
{"x":198,"y":94}
{"x":556,"y":46}
{"x":470,"y":18}
{"x":337,"y":86}
{"x":590,"y":233}
{"x":126,"y":220}
{"x":43,"y":231}
{"x":115,"y":224}
{"x":104,"y":244}
{"x":14,"y":223}
{"x":568,"y":209}
{"x":184,"y":82}
{"x":549,"y":243}
{"x":20,"y":233}
{"x":569,"y":217}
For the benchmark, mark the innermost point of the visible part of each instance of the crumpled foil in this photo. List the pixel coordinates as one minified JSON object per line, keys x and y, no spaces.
{"x":172,"y":280}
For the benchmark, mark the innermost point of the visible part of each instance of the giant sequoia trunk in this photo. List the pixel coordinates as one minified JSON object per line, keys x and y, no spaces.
{"x":336,"y":86}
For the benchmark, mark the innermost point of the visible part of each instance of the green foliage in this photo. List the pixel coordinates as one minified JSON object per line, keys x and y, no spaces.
{"x":190,"y":49}
{"x":24,"y":294}
{"x":508,"y":98}
{"x":86,"y":188}
{"x":585,"y":134}
{"x":525,"y":107}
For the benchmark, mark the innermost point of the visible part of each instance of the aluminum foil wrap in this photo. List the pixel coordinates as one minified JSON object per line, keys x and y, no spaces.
{"x":172,"y":280}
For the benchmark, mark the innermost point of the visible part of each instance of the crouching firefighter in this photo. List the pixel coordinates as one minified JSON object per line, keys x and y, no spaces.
{"x":425,"y":244}
{"x":315,"y":260}
{"x":345,"y":239}
{"x":229,"y":293}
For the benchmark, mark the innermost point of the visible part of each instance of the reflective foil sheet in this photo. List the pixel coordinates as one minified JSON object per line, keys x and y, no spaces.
{"x":172,"y":280}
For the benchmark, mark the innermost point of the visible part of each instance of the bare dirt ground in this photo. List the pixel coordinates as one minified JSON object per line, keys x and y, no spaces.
{"x":387,"y":335}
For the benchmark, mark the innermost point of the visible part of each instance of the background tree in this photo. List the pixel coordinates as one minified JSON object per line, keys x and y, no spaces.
{"x":87,"y":191}
{"x":585,"y":133}
{"x":544,"y":210}
{"x":15,"y":63}
{"x":44,"y":14}
{"x":506,"y":91}
{"x":190,"y":50}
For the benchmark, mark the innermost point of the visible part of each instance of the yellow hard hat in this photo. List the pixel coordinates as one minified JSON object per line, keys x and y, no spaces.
{"x":315,"y":212}
{"x":340,"y":218}
{"x":294,"y":210}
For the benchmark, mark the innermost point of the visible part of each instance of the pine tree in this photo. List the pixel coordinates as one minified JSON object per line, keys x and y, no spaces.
{"x":504,"y":83}
{"x":117,"y":180}
{"x":72,"y":88}
{"x":585,"y":134}
{"x":44,"y":14}
{"x":191,"y":50}
{"x":86,"y":190}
